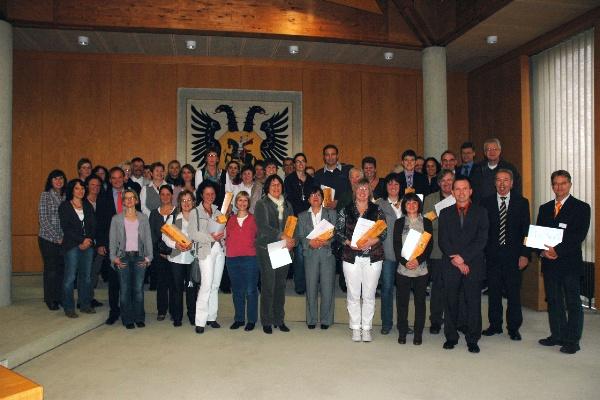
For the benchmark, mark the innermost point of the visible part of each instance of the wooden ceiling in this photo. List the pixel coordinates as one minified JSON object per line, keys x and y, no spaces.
{"x":344,"y":31}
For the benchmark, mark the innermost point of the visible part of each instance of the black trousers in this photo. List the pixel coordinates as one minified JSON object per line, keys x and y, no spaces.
{"x":436,"y":300}
{"x":164,"y":283}
{"x":504,"y":276}
{"x":564,"y":290}
{"x":272,"y":295}
{"x":114,"y":291}
{"x":403,"y":286}
{"x":54,"y":268}
{"x":181,"y":284}
{"x":454,"y":281}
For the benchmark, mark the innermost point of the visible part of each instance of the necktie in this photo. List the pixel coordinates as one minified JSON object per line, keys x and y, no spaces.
{"x":461,"y":214}
{"x":409,"y":180}
{"x":465,"y":170}
{"x":119,"y":203}
{"x":557,"y":207}
{"x":502,"y":232}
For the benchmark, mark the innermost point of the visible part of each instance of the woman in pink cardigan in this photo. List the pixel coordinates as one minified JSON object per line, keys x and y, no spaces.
{"x":241,"y":263}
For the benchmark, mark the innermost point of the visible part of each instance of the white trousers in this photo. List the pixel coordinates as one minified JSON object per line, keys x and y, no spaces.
{"x":362,"y":276}
{"x":211,"y":271}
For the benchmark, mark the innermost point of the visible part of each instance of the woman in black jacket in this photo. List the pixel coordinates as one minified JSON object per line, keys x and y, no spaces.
{"x":78,"y":223}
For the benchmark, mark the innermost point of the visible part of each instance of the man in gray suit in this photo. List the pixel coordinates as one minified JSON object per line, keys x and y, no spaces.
{"x":319,"y":261}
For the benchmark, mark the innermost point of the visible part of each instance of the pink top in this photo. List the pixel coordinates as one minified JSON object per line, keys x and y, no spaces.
{"x":131,"y":235}
{"x":240,"y":239}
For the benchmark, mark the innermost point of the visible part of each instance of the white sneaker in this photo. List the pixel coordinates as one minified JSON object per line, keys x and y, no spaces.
{"x":356,"y":335}
{"x":366,"y":335}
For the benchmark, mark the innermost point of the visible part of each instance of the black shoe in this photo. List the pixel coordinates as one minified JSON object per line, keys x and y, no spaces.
{"x":570,"y":348}
{"x":514,"y":335}
{"x":324,"y":326}
{"x":236,"y":325}
{"x":88,"y":310}
{"x":267,"y":329}
{"x":300,"y":292}
{"x":213,"y":324}
{"x":176,"y":324}
{"x":549,"y":341}
{"x":491,"y":331}
{"x":473,"y":347}
{"x":111,"y":320}
{"x":417,"y":341}
{"x":199,"y":330}
{"x":312,"y":326}
{"x":95,"y":303}
{"x":52,"y":306}
{"x":130,"y":326}
{"x":401,"y":339}
{"x":385,"y":330}
{"x":284,"y":328}
{"x":449,"y":344}
{"x":161,"y":317}
{"x":140,"y":324}
{"x":435,"y":329}
{"x":249,"y":326}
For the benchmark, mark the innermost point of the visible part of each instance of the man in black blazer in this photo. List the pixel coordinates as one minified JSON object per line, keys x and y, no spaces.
{"x":463,"y":231}
{"x":562,"y":265}
{"x":409,"y":178}
{"x":506,"y":255}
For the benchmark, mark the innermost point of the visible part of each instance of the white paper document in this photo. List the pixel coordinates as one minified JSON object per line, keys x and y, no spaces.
{"x":539,"y":237}
{"x":279,"y":254}
{"x":362,"y":226}
{"x":410,"y":244}
{"x":447,"y":202}
{"x":420,"y":196}
{"x":215,"y":227}
{"x":320,"y":229}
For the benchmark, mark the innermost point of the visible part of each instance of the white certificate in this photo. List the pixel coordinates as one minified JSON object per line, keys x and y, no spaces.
{"x":539,"y":237}
{"x":215,"y":227}
{"x":447,"y":202}
{"x":362,"y":226}
{"x":320,"y":229}
{"x":420,"y":196}
{"x":410,"y":244}
{"x":279,"y":254}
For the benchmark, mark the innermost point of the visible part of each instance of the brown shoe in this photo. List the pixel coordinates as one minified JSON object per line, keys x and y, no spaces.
{"x":71,"y":314}
{"x":88,"y":310}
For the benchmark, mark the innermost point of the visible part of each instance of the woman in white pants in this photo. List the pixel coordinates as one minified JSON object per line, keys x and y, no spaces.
{"x":362,"y":265}
{"x":209,"y":250}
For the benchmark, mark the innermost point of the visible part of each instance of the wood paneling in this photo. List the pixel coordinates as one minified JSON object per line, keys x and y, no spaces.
{"x":271,"y":78}
{"x":458,"y":111}
{"x":208,"y":76}
{"x":26,"y":255}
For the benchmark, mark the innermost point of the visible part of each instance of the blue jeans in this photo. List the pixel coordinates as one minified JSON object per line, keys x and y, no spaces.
{"x":77,"y":262}
{"x":388,"y":278}
{"x":131,"y":279}
{"x":299,"y":274}
{"x":243,"y":272}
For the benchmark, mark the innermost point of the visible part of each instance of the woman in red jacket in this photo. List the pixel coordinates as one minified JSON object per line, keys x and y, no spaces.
{"x":241,"y":263}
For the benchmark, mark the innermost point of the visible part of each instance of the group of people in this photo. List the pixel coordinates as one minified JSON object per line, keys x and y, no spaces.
{"x":109,"y":221}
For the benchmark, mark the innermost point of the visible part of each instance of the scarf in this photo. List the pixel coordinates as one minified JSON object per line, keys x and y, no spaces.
{"x":279,"y":203}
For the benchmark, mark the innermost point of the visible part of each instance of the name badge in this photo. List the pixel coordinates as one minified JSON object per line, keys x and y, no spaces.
{"x":563,"y":226}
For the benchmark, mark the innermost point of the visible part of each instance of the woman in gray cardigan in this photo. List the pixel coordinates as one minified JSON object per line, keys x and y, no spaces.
{"x":131,"y":253}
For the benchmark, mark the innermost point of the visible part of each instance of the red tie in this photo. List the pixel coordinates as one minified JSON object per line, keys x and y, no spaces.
{"x":119,"y":203}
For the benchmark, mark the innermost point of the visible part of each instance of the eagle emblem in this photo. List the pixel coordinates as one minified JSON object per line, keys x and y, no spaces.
{"x":244,"y":145}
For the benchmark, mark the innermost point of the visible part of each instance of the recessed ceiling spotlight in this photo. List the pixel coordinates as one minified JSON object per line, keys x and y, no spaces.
{"x":190,"y":44}
{"x":83,"y":40}
{"x":492,"y":39}
{"x":293,"y":49}
{"x":388,"y":55}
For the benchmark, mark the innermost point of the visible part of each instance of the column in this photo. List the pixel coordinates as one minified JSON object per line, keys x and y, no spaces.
{"x":435,"y":107}
{"x":6,"y":54}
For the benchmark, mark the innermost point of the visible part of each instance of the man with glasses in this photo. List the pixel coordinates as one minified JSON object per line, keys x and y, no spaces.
{"x":483,"y":175}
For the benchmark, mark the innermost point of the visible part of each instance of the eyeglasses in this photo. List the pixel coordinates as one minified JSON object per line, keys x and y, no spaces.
{"x":187,"y":200}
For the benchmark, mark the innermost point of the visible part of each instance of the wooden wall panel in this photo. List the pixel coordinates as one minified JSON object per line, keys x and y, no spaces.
{"x":458,"y":111}
{"x":208,"y":76}
{"x":332,"y":114}
{"x":144,"y":112}
{"x":25,"y":253}
{"x":390,"y":120}
{"x":271,"y":78}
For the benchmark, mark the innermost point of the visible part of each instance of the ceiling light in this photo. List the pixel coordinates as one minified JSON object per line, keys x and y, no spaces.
{"x":190,"y":44}
{"x":83,"y":40}
{"x":293,"y":49}
{"x":388,"y":55}
{"x":493,"y":39}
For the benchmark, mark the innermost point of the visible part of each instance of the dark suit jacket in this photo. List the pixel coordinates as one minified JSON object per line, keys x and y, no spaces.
{"x":574,"y":218}
{"x":483,"y":179}
{"x":269,"y":227}
{"x":420,"y":183}
{"x":468,"y":242}
{"x":517,"y":226}
{"x":398,"y":228}
{"x":105,"y":209}
{"x":74,"y":230}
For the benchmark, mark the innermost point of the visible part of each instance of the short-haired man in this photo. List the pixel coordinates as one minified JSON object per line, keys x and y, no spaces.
{"x":84,"y":168}
{"x":449,"y":161}
{"x":333,"y":174}
{"x":463,"y":231}
{"x":506,"y":254}
{"x":411,"y":180}
{"x":377,"y":185}
{"x":137,"y":171}
{"x":467,"y":156}
{"x":483,"y":175}
{"x":562,"y":265}
{"x":288,"y":166}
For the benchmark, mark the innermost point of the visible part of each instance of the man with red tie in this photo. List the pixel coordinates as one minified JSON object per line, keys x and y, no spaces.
{"x":562,"y":265}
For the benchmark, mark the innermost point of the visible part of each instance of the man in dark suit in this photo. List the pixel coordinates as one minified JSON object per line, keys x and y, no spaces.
{"x":562,"y":265}
{"x":411,"y":179}
{"x":506,"y":255}
{"x":333,"y":174}
{"x":463,"y":231}
{"x":467,"y":156}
